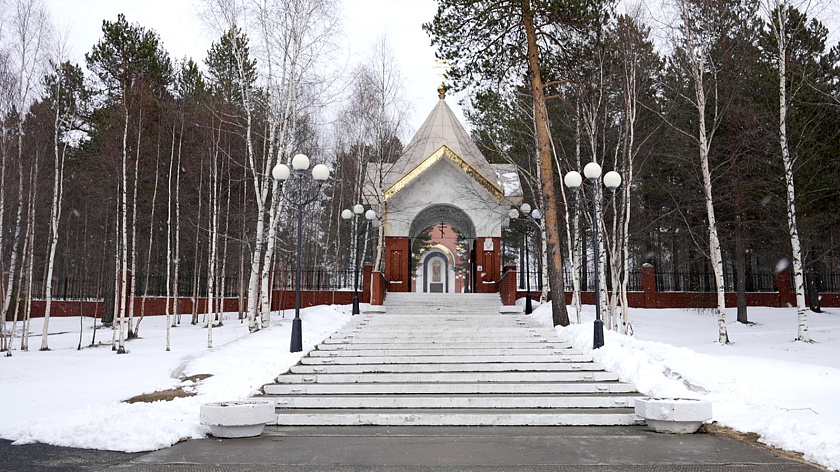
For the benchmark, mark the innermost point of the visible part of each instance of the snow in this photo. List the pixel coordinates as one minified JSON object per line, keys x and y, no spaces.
{"x":67,"y":397}
{"x":763,"y":382}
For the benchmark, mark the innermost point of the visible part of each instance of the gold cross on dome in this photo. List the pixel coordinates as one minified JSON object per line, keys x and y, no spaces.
{"x":442,"y":66}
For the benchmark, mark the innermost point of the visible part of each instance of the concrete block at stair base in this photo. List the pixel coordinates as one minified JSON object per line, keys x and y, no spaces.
{"x":238,"y":419}
{"x":674,"y":415}
{"x":510,"y":309}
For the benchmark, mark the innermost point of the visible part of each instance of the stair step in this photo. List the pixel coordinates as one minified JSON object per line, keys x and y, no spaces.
{"x":438,"y":342}
{"x":448,"y":388}
{"x":455,"y":359}
{"x":348,"y":352}
{"x":545,"y":417}
{"x":461,"y":401}
{"x":449,"y":377}
{"x":434,"y":368}
{"x":350,"y":345}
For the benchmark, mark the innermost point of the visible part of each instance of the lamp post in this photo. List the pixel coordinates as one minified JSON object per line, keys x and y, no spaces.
{"x":612,"y":180}
{"x":300,"y":197}
{"x":531,"y":216}
{"x":354,"y":214}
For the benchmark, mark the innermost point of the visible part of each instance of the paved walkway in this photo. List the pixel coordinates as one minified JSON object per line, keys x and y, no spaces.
{"x":472,"y":449}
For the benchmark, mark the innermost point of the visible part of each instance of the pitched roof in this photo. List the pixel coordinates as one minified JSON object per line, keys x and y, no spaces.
{"x":441,"y":132}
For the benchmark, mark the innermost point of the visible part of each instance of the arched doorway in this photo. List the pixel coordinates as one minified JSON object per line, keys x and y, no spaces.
{"x":442,"y":238}
{"x":436,"y":273}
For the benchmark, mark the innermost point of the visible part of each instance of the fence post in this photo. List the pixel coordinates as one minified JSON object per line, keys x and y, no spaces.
{"x":367,"y":274}
{"x":782,"y":281}
{"x":378,"y":286}
{"x":649,"y":285}
{"x":507,"y":286}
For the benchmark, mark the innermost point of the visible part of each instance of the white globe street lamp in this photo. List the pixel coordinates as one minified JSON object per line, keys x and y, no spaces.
{"x":299,"y":197}
{"x":612,"y":180}
{"x":354,"y":214}
{"x":526,"y":230}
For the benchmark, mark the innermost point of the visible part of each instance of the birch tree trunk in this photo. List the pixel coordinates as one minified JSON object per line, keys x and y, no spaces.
{"x":55,"y":210}
{"x":698,"y":64}
{"x":630,"y":107}
{"x":14,"y":257}
{"x":573,"y":233}
{"x":212,"y":241}
{"x":147,"y":271}
{"x":123,"y":235}
{"x":132,"y":291}
{"x":29,"y":258}
{"x":4,"y":336}
{"x":778,"y":23}
{"x":177,"y":262}
{"x":169,"y":245}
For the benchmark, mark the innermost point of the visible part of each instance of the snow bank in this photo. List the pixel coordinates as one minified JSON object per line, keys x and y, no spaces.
{"x":763,"y":382}
{"x":72,"y":398}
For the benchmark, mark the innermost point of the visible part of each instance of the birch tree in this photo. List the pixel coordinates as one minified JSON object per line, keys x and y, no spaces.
{"x":638,"y":66}
{"x":65,"y":91}
{"x":233,"y":73}
{"x":299,"y":33}
{"x":702,"y":38}
{"x":125,"y":60}
{"x":781,"y":28}
{"x":29,"y":27}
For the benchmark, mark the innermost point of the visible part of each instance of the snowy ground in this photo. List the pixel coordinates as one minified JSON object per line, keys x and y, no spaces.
{"x":763,"y":382}
{"x":787,"y":392}
{"x":74,"y":398}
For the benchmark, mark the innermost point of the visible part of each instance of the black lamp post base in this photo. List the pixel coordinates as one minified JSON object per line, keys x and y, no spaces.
{"x":528,"y":307}
{"x":297,"y":336}
{"x":355,"y":304}
{"x":598,"y":337}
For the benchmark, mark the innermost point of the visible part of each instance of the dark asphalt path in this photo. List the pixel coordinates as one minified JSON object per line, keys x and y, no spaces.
{"x":421,"y":449}
{"x":46,"y":458}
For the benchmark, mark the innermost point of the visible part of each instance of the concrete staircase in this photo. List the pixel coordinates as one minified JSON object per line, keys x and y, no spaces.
{"x":447,"y":359}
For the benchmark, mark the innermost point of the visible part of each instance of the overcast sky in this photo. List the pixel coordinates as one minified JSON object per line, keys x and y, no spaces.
{"x":364,"y":22}
{"x":183,"y":35}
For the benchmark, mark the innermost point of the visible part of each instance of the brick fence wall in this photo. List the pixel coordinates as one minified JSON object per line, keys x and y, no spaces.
{"x":156,"y":306}
{"x":649,"y":297}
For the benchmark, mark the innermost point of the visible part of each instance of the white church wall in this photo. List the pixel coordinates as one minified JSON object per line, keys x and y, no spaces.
{"x":446,"y":183}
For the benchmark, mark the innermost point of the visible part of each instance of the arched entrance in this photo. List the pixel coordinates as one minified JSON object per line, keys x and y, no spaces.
{"x":437,"y":272}
{"x":442,"y":238}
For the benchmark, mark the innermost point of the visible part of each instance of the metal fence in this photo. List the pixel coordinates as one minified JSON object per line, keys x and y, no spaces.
{"x":321,"y":279}
{"x":587,"y":281}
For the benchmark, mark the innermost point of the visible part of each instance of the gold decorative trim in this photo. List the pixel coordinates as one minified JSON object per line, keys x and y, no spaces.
{"x":444,"y":151}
